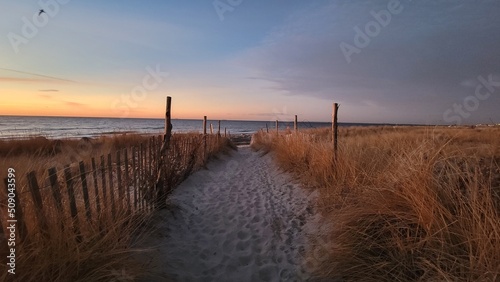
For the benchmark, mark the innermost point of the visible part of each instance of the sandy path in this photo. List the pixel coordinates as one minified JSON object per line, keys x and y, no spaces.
{"x":240,"y":220}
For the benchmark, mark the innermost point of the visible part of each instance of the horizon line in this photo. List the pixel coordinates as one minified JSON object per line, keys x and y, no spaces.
{"x":244,"y":120}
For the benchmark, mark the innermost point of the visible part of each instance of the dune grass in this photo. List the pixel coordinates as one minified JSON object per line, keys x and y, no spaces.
{"x":106,"y":250}
{"x":403,"y":203}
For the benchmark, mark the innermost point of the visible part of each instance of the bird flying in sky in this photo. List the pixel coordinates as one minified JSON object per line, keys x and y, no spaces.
{"x":41,"y":12}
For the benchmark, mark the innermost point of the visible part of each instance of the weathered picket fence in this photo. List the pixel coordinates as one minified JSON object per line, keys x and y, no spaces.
{"x":87,"y":195}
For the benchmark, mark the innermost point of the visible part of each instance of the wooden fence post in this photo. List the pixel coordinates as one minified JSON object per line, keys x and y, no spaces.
{"x":168,"y":120}
{"x":141,"y":177}
{"x":158,"y":143}
{"x":72,"y":202}
{"x":145,"y":180}
{"x":137,"y":172}
{"x":85,"y":190}
{"x":204,"y":125}
{"x":56,"y":190}
{"x":204,"y":139}
{"x":56,"y":194}
{"x":149,"y":174}
{"x":160,"y":184}
{"x":149,"y":164}
{"x":135,"y":169}
{"x":335,"y":128}
{"x":103,"y":180}
{"x":96,"y":188}
{"x":277,"y":127}
{"x":96,"y":195}
{"x":149,"y":158}
{"x":111,"y":187}
{"x":295,"y":125}
{"x":127,"y":184}
{"x":37,"y":200}
{"x":218,"y":131}
{"x":211,"y":129}
{"x":119,"y":181}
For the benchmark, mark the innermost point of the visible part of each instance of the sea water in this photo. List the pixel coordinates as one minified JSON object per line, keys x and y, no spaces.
{"x":77,"y":127}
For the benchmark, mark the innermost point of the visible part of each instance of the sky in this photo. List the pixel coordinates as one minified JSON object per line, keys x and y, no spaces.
{"x":386,"y":61}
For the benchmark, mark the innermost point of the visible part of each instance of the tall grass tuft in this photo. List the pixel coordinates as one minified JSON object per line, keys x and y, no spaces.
{"x":404,"y":203}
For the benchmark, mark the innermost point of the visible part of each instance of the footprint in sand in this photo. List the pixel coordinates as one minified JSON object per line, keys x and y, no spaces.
{"x":243,"y":235}
{"x":224,"y":233}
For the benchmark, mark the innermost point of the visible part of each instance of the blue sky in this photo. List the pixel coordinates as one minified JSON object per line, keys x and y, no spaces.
{"x":383,"y":61}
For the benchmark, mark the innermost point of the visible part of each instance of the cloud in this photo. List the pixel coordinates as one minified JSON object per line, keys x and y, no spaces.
{"x":53,"y":98}
{"x":269,"y":114}
{"x":20,"y":79}
{"x":48,"y":90}
{"x":74,"y":104}
{"x":45,"y":96}
{"x":420,"y":61}
{"x":40,"y":77}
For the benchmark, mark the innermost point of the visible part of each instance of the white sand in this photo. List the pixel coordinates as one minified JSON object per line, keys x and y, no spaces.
{"x":242,"y":219}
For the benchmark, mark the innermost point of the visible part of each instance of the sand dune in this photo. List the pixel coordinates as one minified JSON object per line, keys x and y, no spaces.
{"x":240,"y":220}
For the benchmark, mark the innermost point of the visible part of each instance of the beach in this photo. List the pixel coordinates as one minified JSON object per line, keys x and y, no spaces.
{"x":241,"y":219}
{"x":287,"y":207}
{"x":237,"y":141}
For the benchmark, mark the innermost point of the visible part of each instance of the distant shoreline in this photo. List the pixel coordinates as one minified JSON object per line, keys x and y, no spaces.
{"x":210,"y":119}
{"x":240,"y":136}
{"x":15,"y":127}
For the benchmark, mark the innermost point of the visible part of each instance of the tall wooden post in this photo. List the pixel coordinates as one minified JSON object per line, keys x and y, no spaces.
{"x":277,"y":127}
{"x":204,"y":139}
{"x":211,"y":129}
{"x":218,"y":133}
{"x":161,"y":190}
{"x":205,"y":125}
{"x":295,"y":125}
{"x":168,"y":121}
{"x":335,"y":128}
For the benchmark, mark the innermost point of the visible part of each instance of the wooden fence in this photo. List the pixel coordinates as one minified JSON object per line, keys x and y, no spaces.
{"x":87,"y":195}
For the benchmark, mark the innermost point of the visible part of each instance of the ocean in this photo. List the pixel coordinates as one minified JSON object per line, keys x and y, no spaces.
{"x":20,"y":127}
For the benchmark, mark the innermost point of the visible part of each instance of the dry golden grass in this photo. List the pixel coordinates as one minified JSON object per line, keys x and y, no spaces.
{"x":405,"y":203}
{"x":105,"y":250}
{"x":101,"y":256}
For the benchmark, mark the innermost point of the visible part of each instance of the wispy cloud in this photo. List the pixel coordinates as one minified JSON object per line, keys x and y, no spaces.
{"x":45,"y":96}
{"x":45,"y":77}
{"x":74,"y":104}
{"x":265,"y":114}
{"x":20,"y":79}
